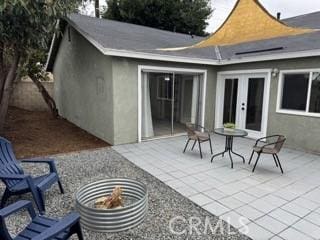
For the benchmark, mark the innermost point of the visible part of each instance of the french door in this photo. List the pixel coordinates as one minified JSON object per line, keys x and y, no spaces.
{"x":243,"y":99}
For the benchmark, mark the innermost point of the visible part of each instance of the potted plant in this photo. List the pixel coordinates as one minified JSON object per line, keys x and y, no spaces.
{"x":229,"y":127}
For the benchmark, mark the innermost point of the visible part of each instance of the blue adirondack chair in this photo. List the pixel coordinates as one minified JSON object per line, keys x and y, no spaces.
{"x":40,"y":227}
{"x":17,"y":182}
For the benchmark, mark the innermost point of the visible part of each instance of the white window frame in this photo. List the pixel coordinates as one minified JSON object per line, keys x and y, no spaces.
{"x":280,"y":93}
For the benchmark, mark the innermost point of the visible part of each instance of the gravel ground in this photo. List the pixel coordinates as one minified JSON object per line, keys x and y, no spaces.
{"x":77,"y":169}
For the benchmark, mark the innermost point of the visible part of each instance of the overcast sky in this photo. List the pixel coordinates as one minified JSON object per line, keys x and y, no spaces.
{"x":222,"y":8}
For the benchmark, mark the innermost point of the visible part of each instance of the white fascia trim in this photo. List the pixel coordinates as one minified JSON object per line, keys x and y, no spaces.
{"x":169,"y":58}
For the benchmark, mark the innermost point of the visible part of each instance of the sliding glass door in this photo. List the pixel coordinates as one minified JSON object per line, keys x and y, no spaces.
{"x":169,"y":100}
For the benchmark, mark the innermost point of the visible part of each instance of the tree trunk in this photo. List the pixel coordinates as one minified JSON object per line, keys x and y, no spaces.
{"x":2,"y":69}
{"x":46,"y":96}
{"x":6,"y":91}
{"x":97,"y":8}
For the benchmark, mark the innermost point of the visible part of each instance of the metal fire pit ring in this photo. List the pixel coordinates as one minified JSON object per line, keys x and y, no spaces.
{"x":112,"y":220}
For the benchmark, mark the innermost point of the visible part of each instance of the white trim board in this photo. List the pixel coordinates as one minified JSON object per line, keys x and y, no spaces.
{"x":147,"y":68}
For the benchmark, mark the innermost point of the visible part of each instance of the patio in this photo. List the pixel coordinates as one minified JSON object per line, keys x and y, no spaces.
{"x":80,"y":168}
{"x":275,"y":206}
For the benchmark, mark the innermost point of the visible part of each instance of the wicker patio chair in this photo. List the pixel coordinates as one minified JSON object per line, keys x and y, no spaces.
{"x":198,"y":134}
{"x":273,"y":147}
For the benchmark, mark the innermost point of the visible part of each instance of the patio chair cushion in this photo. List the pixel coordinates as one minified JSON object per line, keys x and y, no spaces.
{"x":267,"y":150}
{"x":22,"y":185}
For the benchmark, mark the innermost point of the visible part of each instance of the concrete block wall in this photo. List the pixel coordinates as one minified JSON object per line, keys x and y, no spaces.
{"x":26,"y":95}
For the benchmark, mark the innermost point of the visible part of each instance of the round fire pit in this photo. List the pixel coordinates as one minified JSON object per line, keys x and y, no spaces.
{"x":135,"y":197}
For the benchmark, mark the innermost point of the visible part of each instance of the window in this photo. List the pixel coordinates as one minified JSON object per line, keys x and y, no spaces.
{"x":295,"y":91}
{"x":300,"y":93}
{"x":314,"y":106}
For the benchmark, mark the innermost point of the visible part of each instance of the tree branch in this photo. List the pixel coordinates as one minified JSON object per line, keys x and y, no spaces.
{"x":47,"y":98}
{"x":7,"y":87}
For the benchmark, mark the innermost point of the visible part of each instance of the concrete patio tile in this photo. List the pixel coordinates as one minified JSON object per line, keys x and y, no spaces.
{"x":296,"y":209}
{"x":189,"y":180}
{"x":250,"y":212}
{"x":293,"y":234}
{"x":231,"y":202}
{"x":262,"y":206}
{"x":314,"y":218}
{"x":313,"y":195}
{"x":235,"y":219}
{"x":257,"y":192}
{"x":201,"y":199}
{"x":271,"y":224}
{"x":276,"y":238}
{"x":306,"y":203}
{"x":216,"y":208}
{"x":214,"y":194}
{"x":187,"y":191}
{"x":201,"y":186}
{"x":286,"y":194}
{"x":274,"y":200}
{"x":201,"y":176}
{"x":165,"y":177}
{"x":178,"y":174}
{"x":244,"y":197}
{"x":308,"y":228}
{"x":175,"y":184}
{"x":256,"y":232}
{"x":284,"y":216}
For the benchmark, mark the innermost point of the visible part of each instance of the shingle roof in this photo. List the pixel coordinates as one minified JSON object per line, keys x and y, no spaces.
{"x":310,"y":20}
{"x":120,"y":35}
{"x":134,"y":38}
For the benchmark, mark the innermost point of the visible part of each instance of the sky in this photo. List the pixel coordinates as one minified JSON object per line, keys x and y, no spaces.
{"x":222,"y":8}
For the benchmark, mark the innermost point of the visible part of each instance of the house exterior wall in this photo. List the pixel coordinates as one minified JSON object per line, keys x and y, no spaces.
{"x":83,"y":86}
{"x":125,"y":87}
{"x":302,"y":132}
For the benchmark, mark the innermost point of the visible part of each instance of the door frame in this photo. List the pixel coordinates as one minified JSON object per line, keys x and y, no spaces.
{"x":220,"y":97}
{"x":147,"y":68}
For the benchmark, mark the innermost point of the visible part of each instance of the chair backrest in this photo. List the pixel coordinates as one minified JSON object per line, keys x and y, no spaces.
{"x":280,"y":142}
{"x":190,"y":129}
{"x":8,"y":162}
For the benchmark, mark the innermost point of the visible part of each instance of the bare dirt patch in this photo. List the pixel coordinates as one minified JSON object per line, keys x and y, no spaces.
{"x":36,"y":134}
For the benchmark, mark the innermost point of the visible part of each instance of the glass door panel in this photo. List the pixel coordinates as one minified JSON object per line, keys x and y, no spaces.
{"x":254,"y":104}
{"x":230,"y":100}
{"x":187,"y":92}
{"x":161,"y":97}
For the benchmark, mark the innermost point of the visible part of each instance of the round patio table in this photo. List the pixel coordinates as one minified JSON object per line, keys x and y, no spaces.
{"x":229,"y":134}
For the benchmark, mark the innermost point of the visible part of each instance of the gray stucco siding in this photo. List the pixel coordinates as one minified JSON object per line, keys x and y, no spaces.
{"x":302,"y":132}
{"x":83,"y":86}
{"x":125,"y":76}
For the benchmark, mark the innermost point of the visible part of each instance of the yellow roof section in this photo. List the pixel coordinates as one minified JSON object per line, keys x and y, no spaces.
{"x":249,"y":21}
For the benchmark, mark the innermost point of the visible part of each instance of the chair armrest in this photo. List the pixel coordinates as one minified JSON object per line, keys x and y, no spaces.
{"x":260,"y":139}
{"x":13,"y":176}
{"x":13,"y":208}
{"x":61,"y":226}
{"x":48,"y":161}
{"x":270,"y":144}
